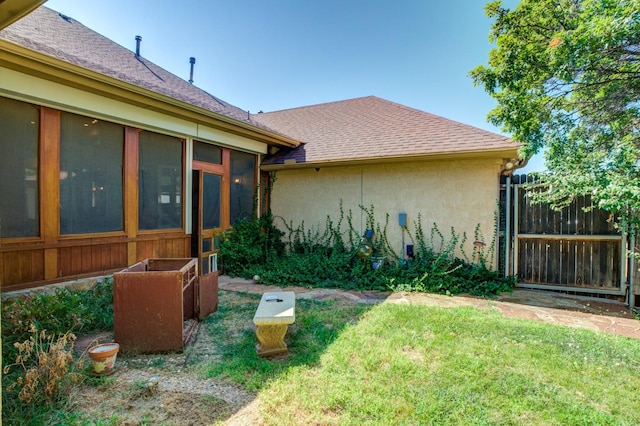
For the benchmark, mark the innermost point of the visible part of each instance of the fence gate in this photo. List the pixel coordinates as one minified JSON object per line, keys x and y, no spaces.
{"x":570,"y":250}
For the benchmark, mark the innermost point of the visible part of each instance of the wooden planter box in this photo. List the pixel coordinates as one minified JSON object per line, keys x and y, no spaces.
{"x":157,"y":303}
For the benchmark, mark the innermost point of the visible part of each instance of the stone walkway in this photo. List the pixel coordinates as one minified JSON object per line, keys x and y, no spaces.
{"x":574,"y":311}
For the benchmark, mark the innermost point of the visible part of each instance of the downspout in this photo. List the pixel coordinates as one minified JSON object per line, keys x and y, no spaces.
{"x":362,"y":225}
{"x":507,"y":230}
{"x":515,"y":231}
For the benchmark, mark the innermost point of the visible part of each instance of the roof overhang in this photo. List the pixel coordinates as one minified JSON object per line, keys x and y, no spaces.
{"x":498,"y":154}
{"x":19,"y":58}
{"x":13,"y":10}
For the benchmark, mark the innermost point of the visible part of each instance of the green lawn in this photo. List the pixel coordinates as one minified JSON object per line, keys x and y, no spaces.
{"x":388,"y":364}
{"x":400,"y":364}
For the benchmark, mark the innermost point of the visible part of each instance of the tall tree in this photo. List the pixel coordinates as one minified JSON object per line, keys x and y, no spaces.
{"x":566,"y":77}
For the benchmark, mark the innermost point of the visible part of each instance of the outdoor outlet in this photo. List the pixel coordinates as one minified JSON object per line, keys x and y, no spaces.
{"x":410,"y":250}
{"x":402,"y":219}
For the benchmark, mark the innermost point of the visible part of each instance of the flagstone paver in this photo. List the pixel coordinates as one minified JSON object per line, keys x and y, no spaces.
{"x":603,"y":315}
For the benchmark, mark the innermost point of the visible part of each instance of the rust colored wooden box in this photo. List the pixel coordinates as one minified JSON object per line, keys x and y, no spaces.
{"x":157,"y":303}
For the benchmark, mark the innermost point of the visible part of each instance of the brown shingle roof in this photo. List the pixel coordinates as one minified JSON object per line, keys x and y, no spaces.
{"x":53,"y":34}
{"x":356,"y":129}
{"x":368,"y":128}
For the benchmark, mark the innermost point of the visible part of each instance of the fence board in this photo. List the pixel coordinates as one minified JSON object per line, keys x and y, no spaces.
{"x":553,"y":276}
{"x":589,"y":262}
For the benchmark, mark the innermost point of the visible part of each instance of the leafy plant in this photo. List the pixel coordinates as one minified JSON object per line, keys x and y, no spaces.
{"x":60,"y":312}
{"x":564,"y":75}
{"x":248,"y":243}
{"x":328,"y":257}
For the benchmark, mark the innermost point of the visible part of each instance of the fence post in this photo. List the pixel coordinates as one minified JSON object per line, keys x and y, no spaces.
{"x":632,"y":268}
{"x":507,"y":232}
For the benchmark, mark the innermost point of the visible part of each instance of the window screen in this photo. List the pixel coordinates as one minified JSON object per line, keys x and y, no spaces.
{"x":91,"y":153}
{"x":19,"y":131}
{"x":160,"y":182}
{"x":207,"y":152}
{"x":211,"y":201}
{"x":242,"y":185}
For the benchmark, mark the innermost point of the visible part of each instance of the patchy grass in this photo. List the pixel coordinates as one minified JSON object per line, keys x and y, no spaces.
{"x":317,"y":326}
{"x":385,"y":364}
{"x":398,"y":364}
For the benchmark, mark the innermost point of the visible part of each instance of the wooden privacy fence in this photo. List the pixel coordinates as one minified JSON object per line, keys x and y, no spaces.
{"x":577,"y":248}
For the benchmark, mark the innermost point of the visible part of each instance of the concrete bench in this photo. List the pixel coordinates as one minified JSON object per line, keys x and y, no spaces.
{"x":277,"y":309}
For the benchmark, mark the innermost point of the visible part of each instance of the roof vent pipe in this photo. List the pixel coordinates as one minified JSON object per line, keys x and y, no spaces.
{"x":138,"y":40}
{"x":192,"y":61}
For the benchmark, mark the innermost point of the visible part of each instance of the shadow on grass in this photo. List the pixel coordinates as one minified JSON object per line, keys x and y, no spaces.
{"x":318,"y":324}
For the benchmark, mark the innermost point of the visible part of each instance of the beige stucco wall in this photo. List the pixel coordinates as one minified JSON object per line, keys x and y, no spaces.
{"x":450,"y":193}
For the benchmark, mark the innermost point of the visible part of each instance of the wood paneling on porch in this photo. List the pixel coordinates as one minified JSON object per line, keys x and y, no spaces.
{"x":23,"y":265}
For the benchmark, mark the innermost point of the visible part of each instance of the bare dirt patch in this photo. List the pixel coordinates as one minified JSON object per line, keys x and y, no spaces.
{"x":174,"y":400}
{"x":167,"y":389}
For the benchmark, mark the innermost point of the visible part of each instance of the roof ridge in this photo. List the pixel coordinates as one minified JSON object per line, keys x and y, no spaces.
{"x":319,"y":104}
{"x":440,"y":117}
{"x":390,"y":103}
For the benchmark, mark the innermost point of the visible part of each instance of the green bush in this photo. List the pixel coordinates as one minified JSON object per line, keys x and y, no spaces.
{"x":337,"y":257}
{"x":63,"y":311}
{"x":250,"y":243}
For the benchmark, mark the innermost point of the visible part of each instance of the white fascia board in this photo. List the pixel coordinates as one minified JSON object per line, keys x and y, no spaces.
{"x":36,"y":90}
{"x":55,"y":95}
{"x":219,"y":137}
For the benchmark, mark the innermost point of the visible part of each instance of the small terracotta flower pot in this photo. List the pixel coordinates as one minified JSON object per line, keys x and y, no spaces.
{"x":103,"y":358}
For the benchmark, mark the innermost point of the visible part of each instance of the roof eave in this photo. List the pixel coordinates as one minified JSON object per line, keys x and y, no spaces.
{"x":13,"y":10}
{"x":50,"y":68}
{"x":497,"y":153}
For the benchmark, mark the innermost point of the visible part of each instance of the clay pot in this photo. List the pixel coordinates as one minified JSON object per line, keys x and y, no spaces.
{"x":103,"y":358}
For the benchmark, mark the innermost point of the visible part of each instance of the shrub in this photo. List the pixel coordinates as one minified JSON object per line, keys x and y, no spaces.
{"x":250,"y":243}
{"x":60,"y":312}
{"x":328,"y":257}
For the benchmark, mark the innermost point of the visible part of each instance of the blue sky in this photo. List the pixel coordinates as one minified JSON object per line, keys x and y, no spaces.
{"x":279,"y":54}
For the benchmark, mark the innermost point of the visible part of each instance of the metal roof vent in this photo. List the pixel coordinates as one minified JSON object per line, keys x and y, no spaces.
{"x":138,"y":40}
{"x":65,"y":17}
{"x":192,"y":61}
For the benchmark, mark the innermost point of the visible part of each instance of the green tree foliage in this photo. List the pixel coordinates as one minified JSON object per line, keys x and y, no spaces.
{"x":566,"y":77}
